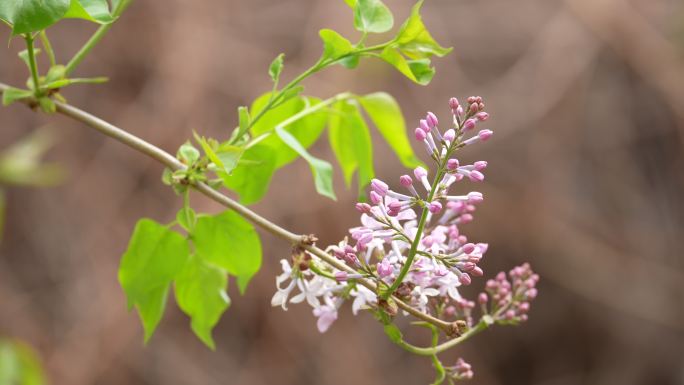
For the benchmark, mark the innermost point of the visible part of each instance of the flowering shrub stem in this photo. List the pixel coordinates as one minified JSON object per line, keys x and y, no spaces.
{"x":170,"y":161}
{"x":32,"y":63}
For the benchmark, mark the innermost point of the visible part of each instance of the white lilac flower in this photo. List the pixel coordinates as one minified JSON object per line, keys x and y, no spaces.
{"x":362,"y":297}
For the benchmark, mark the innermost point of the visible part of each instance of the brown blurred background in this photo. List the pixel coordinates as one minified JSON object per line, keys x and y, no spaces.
{"x":586,"y":181}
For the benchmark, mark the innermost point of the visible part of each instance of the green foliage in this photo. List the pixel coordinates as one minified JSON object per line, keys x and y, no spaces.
{"x":227,"y":240}
{"x":276,"y":68}
{"x":415,"y":40}
{"x":321,"y":170}
{"x":372,"y":16}
{"x":252,"y":178}
{"x":393,"y":333}
{"x":26,"y":16}
{"x":155,"y":255}
{"x":351,"y":142}
{"x":201,"y":293}
{"x":306,"y":129}
{"x":385,"y":113}
{"x":21,"y":165}
{"x":19,"y":364}
{"x":334,"y":45}
{"x":96,"y":11}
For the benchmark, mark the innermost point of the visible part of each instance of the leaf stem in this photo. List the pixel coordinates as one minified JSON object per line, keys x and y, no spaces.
{"x":94,"y":39}
{"x":48,"y":48}
{"x":32,"y":64}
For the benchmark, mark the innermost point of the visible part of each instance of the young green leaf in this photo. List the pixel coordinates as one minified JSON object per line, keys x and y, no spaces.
{"x":393,"y":333}
{"x":417,"y":70}
{"x":225,"y":156}
{"x":334,"y":45}
{"x":96,"y":11}
{"x":385,"y":113}
{"x":55,"y":73}
{"x":24,"y":56}
{"x":251,"y":178}
{"x":188,"y":154}
{"x":243,"y":118}
{"x":47,"y":105}
{"x":322,"y":171}
{"x":12,"y":95}
{"x":351,"y":3}
{"x":186,"y":218}
{"x":154,"y":257}
{"x":415,"y":41}
{"x":307,"y":129}
{"x":201,"y":294}
{"x":372,"y":16}
{"x":27,"y":16}
{"x":276,"y":68}
{"x":351,"y":142}
{"x":227,"y":240}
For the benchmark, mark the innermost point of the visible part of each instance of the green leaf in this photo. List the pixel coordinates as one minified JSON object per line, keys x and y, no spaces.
{"x":227,"y":240}
{"x":154,"y":257}
{"x":47,"y":105}
{"x":415,"y":41}
{"x":306,"y":130}
{"x":243,"y":118}
{"x":417,"y":70}
{"x":351,"y":143}
{"x":188,"y":154}
{"x":19,"y":364}
{"x":27,"y":16}
{"x":186,"y":218}
{"x":351,"y":3}
{"x":322,"y":171}
{"x":201,"y":294}
{"x":24,"y":56}
{"x":334,"y":45}
{"x":276,"y":68}
{"x":251,"y":178}
{"x":225,"y":156}
{"x":289,"y":94}
{"x":385,"y":113}
{"x":12,"y":95}
{"x":372,"y":16}
{"x":96,"y":11}
{"x":55,"y":73}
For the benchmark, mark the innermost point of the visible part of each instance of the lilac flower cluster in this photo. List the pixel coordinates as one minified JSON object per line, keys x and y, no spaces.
{"x":410,"y":243}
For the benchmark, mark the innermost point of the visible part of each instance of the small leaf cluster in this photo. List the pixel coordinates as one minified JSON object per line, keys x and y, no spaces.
{"x":197,"y":265}
{"x":19,"y":364}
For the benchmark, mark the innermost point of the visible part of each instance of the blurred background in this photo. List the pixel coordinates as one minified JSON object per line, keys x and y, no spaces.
{"x":585,"y":181}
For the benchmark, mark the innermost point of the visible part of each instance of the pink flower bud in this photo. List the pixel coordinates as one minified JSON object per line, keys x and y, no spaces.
{"x":468,"y":248}
{"x":435,"y":207}
{"x":405,"y":180}
{"x":476,"y":176}
{"x":482,"y":298}
{"x":341,"y":276}
{"x":532,"y":294}
{"x":395,"y":206}
{"x":427,"y":241}
{"x":452,"y":164}
{"x":475,"y":197}
{"x":450,"y":135}
{"x":482,"y":116}
{"x":453,"y":103}
{"x":459,"y":111}
{"x":510,"y":315}
{"x":480,"y":165}
{"x":449,"y":311}
{"x":465,"y":218}
{"x":483,"y":247}
{"x":379,"y":187}
{"x":424,"y":125}
{"x":471,"y":99}
{"x":465,"y":279}
{"x":364,"y":208}
{"x":420,"y":134}
{"x":485,"y":134}
{"x":432,"y":119}
{"x":420,"y":172}
{"x":524,"y":307}
{"x":375,"y":197}
{"x":477,"y":271}
{"x":469,"y":124}
{"x":384,"y":268}
{"x":474,"y":108}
